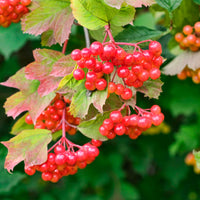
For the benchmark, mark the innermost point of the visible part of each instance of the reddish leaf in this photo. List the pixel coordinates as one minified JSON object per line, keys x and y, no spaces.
{"x":44,"y":19}
{"x":135,"y":3}
{"x":30,"y":146}
{"x":49,"y":68}
{"x":34,"y":103}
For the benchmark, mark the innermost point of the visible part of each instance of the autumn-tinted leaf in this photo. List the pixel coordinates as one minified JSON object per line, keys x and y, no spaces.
{"x":187,"y":58}
{"x":49,"y":68}
{"x":151,"y":88}
{"x":118,"y":3}
{"x":44,"y":19}
{"x":30,"y":146}
{"x":34,"y":103}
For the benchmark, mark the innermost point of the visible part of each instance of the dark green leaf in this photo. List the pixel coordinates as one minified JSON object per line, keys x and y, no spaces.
{"x":169,"y":5}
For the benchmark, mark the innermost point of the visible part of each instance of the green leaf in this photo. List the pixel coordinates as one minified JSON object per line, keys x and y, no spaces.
{"x":30,"y":146}
{"x":91,"y":128}
{"x":197,"y":1}
{"x":151,"y":88}
{"x":11,"y":39}
{"x":8,"y":181}
{"x":118,"y":3}
{"x":169,"y":5}
{"x":128,"y":191}
{"x":44,"y":19}
{"x":137,"y":33}
{"x":21,"y":125}
{"x":186,"y":139}
{"x":94,"y":14}
{"x":187,"y":13}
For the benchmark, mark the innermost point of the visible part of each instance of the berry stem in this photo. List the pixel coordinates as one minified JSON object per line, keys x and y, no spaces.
{"x":123,"y":106}
{"x":107,"y":27}
{"x":64,"y":46}
{"x":104,"y":40}
{"x":143,"y":41}
{"x":57,"y":143}
{"x":73,"y":126}
{"x":87,"y":37}
{"x":63,"y":123}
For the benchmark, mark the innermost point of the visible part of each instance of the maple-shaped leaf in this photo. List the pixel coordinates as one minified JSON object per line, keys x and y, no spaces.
{"x":186,"y":59}
{"x":151,"y":88}
{"x":49,"y":68}
{"x":30,"y":146}
{"x":54,"y":21}
{"x":27,"y":99}
{"x":135,"y":3}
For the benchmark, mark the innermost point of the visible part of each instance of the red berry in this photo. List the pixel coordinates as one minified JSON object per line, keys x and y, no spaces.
{"x":187,"y":30}
{"x":103,"y":130}
{"x":119,"y":89}
{"x":91,"y":76}
{"x":90,"y":85}
{"x":47,"y":176}
{"x":59,"y":104}
{"x":86,"y":53}
{"x":60,"y":159}
{"x":101,"y":84}
{"x":123,"y":72}
{"x":96,"y":48}
{"x":28,"y":119}
{"x":107,"y":68}
{"x":155,"y":48}
{"x":133,"y":120}
{"x":116,"y":116}
{"x":59,"y":149}
{"x":98,"y":67}
{"x":127,"y":94}
{"x":70,"y":158}
{"x":79,"y":74}
{"x":96,"y":143}
{"x":143,"y":76}
{"x":154,"y":73}
{"x":111,"y":87}
{"x":138,"y":57}
{"x":109,"y":51}
{"x":155,"y":109}
{"x":137,"y":69}
{"x":129,"y":59}
{"x":29,"y":171}
{"x":108,"y":124}
{"x":120,"y":54}
{"x":81,"y":155}
{"x":25,"y":2}
{"x":90,"y":63}
{"x":119,"y":129}
{"x":76,"y":54}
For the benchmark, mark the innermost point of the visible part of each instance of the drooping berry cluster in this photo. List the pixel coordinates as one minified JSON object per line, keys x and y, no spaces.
{"x":64,"y":162}
{"x":187,"y":72}
{"x":51,"y":117}
{"x":190,"y":38}
{"x":131,"y":125}
{"x":133,"y":68}
{"x":190,"y":160}
{"x":12,"y":11}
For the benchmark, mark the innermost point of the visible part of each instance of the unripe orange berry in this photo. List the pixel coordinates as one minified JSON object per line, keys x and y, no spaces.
{"x":179,"y":37}
{"x":182,"y":75}
{"x":187,"y":30}
{"x":195,"y":79}
{"x":191,"y":39}
{"x":197,"y":27}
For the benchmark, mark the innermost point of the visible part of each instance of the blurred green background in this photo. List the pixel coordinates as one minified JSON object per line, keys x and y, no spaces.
{"x":151,"y":167}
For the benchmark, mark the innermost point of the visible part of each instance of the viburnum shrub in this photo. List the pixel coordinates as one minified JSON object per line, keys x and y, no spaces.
{"x":92,"y":90}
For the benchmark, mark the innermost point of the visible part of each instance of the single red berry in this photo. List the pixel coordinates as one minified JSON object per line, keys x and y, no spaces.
{"x":120,"y":54}
{"x":96,"y":48}
{"x":129,"y":59}
{"x":90,"y":63}
{"x":13,"y":2}
{"x":90,"y":85}
{"x":91,"y":76}
{"x":81,"y":155}
{"x":154,"y":73}
{"x":25,"y":2}
{"x":155,"y":109}
{"x":79,"y":74}
{"x":76,"y":54}
{"x":142,"y":122}
{"x":51,"y":158}
{"x":111,"y":87}
{"x":108,"y":124}
{"x":98,"y":67}
{"x":28,"y":119}
{"x":101,"y":84}
{"x":119,"y":129}
{"x":85,"y":53}
{"x":70,"y":158}
{"x":138,"y":57}
{"x":143,"y":76}
{"x":103,"y":130}
{"x":59,"y":149}
{"x":155,"y":48}
{"x":126,"y":120}
{"x":107,"y":67}
{"x":111,"y":135}
{"x":157,"y":61}
{"x":96,"y":143}
{"x":133,"y":120}
{"x":119,"y":89}
{"x":123,"y":72}
{"x":116,"y":116}
{"x":47,"y":176}
{"x":60,"y":159}
{"x":109,"y":51}
{"x":127,"y":94}
{"x":137,"y":69}
{"x":59,"y":104}
{"x":29,"y":171}
{"x":147,"y":55}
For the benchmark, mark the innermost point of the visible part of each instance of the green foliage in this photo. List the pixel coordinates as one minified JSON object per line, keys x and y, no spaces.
{"x":169,"y":5}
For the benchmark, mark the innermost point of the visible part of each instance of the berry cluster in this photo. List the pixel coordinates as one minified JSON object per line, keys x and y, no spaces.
{"x":190,"y":38}
{"x":187,"y":72}
{"x":103,"y":59}
{"x":132,"y":125}
{"x":12,"y":11}
{"x":190,"y":160}
{"x":51,"y":117}
{"x":64,"y":162}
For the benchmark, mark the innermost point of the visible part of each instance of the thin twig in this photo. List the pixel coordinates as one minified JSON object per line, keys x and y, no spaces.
{"x":87,"y":37}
